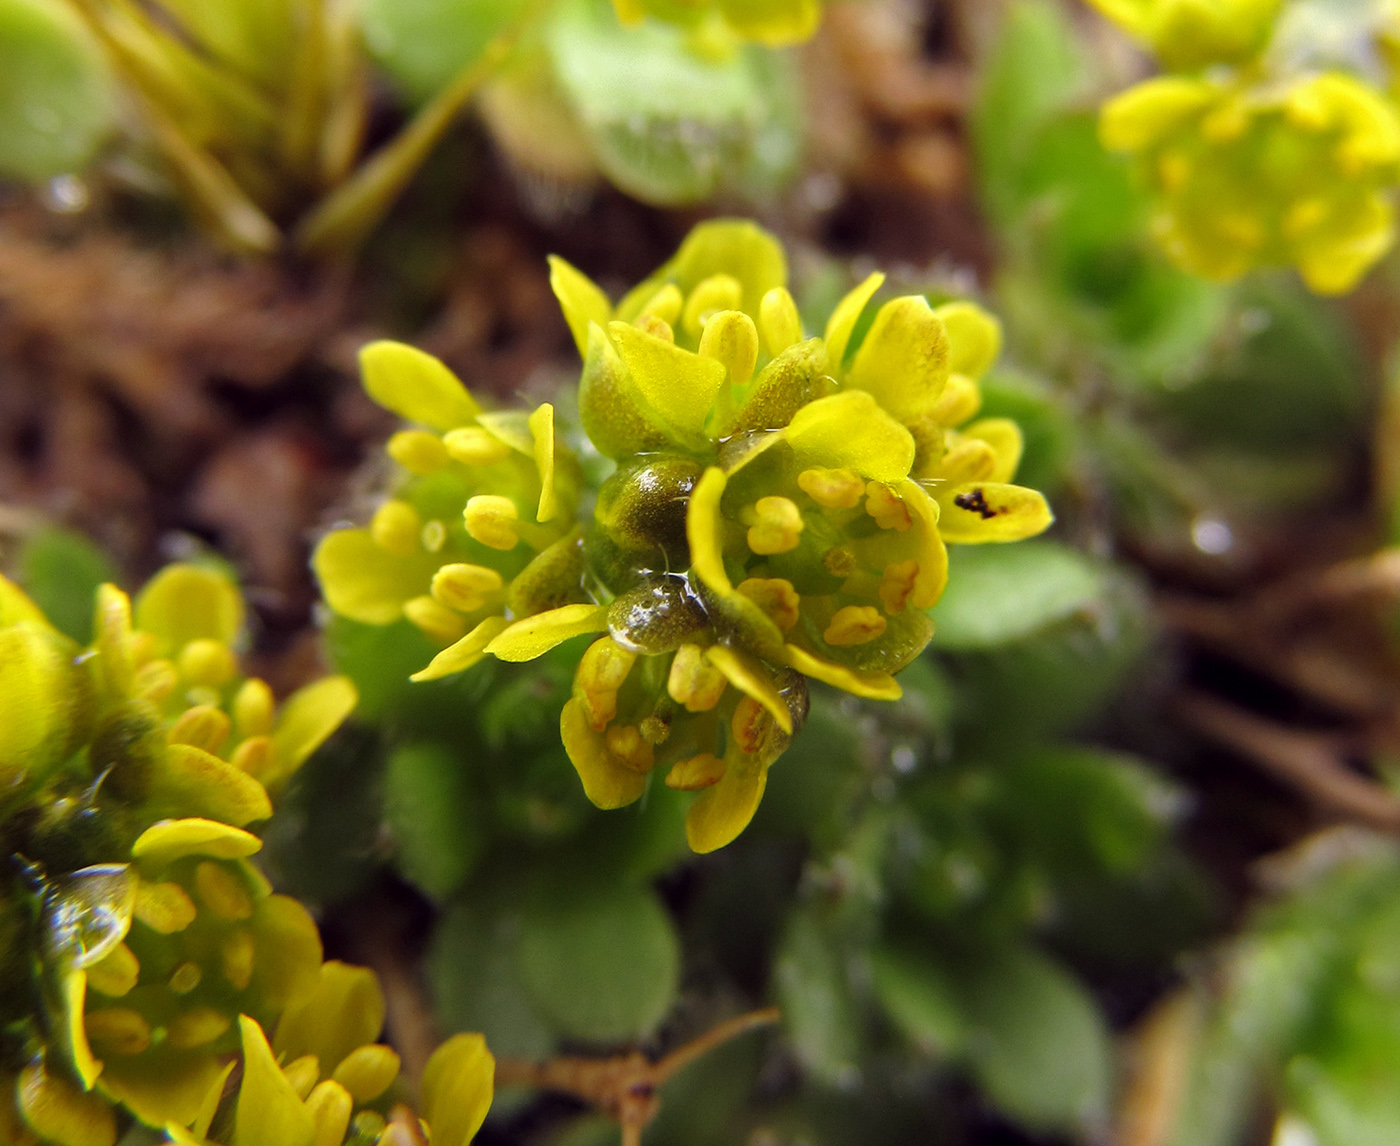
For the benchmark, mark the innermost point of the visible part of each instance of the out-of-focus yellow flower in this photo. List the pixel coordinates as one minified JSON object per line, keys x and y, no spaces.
{"x":1190,"y":34}
{"x":778,"y":513}
{"x":718,"y":24}
{"x":1290,"y":173}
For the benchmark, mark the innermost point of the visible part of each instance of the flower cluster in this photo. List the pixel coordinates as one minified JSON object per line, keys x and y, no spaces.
{"x":777,"y":513}
{"x":133,"y":929}
{"x":774,"y":23}
{"x":1251,"y":168}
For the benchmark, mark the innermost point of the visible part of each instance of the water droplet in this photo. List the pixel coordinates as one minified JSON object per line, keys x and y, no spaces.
{"x":1212,"y":536}
{"x":66,"y":195}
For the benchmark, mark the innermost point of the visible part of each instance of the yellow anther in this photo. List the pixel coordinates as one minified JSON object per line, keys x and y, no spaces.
{"x":834,"y":489}
{"x":779,"y":320}
{"x":656,"y":327}
{"x":185,"y":978}
{"x":438,"y":621}
{"x":302,"y":1074}
{"x":897,"y":585}
{"x":156,"y":680}
{"x":466,"y":588}
{"x":731,"y":338}
{"x":1304,"y":216}
{"x":665,"y":304}
{"x":331,"y":1106}
{"x":777,"y":526}
{"x":368,"y":1125}
{"x":776,"y":597}
{"x":969,"y":460}
{"x":839,"y":561}
{"x":854,"y":625}
{"x":491,"y":520}
{"x":433,"y":536}
{"x":116,"y":974}
{"x":714,"y":294}
{"x":143,"y":648}
{"x":418,"y":451}
{"x":202,"y":726}
{"x":236,"y":959}
{"x":222,"y":892}
{"x":694,"y":683}
{"x":601,"y":672}
{"x":117,"y":1031}
{"x":698,"y":772}
{"x":395,"y":527}
{"x":164,"y":907}
{"x":751,"y":725}
{"x":207,"y":663}
{"x":625,"y":741}
{"x":367,"y":1071}
{"x":253,"y":755}
{"x":197,"y":1027}
{"x":655,"y":729}
{"x":886,"y":507}
{"x":475,"y":446}
{"x":253,"y":708}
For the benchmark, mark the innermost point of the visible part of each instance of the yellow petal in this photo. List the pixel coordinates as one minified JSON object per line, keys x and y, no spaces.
{"x":465,"y":653}
{"x":458,"y":1084}
{"x":511,"y":427}
{"x":752,"y":679}
{"x":1147,"y":114}
{"x":172,"y":1088}
{"x":534,"y":636}
{"x":268,"y":1113}
{"x":210,"y":1105}
{"x":365,"y":582}
{"x":344,"y":1010}
{"x":903,"y":360}
{"x":974,"y":338}
{"x":724,"y":810}
{"x":184,"y":603}
{"x":1004,"y":436}
{"x":416,"y":386}
{"x":932,"y":555}
{"x":607,"y":781}
{"x":871,"y":685}
{"x":842,"y":322}
{"x":179,"y":1136}
{"x":16,"y":607}
{"x":287,"y":951}
{"x":990,"y":511}
{"x":678,"y":385}
{"x":199,"y":781}
{"x":73,"y":987}
{"x":169,"y":840}
{"x":850,"y":430}
{"x":304,"y":723}
{"x":581,"y":300}
{"x":774,"y":25}
{"x":542,"y":430}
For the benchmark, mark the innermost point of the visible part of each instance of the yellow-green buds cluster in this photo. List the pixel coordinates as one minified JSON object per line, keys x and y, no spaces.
{"x":1251,"y":168}
{"x":486,"y":500}
{"x":717,"y":23}
{"x":133,"y":929}
{"x":778,"y":512}
{"x":1190,"y":34}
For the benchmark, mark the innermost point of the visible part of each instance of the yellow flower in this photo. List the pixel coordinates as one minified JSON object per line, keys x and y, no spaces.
{"x":1296,"y":172}
{"x":718,"y":25}
{"x":1189,"y":34}
{"x":775,"y":516}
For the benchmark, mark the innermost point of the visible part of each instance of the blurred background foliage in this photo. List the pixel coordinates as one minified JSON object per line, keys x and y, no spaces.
{"x":1029,"y":902}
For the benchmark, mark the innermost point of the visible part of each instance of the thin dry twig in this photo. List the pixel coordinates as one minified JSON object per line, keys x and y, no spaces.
{"x":1309,"y":762}
{"x":624,"y":1087}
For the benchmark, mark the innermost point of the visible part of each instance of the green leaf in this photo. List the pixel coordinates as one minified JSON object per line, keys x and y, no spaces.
{"x":424,"y":44}
{"x":600,"y":961}
{"x":61,"y":571}
{"x":434,"y":815}
{"x":1002,"y":593}
{"x":473,"y":968}
{"x":1035,"y":71}
{"x":815,"y":993}
{"x":665,"y":124}
{"x":921,"y":1000}
{"x":1038,"y":1045}
{"x":56,"y":103}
